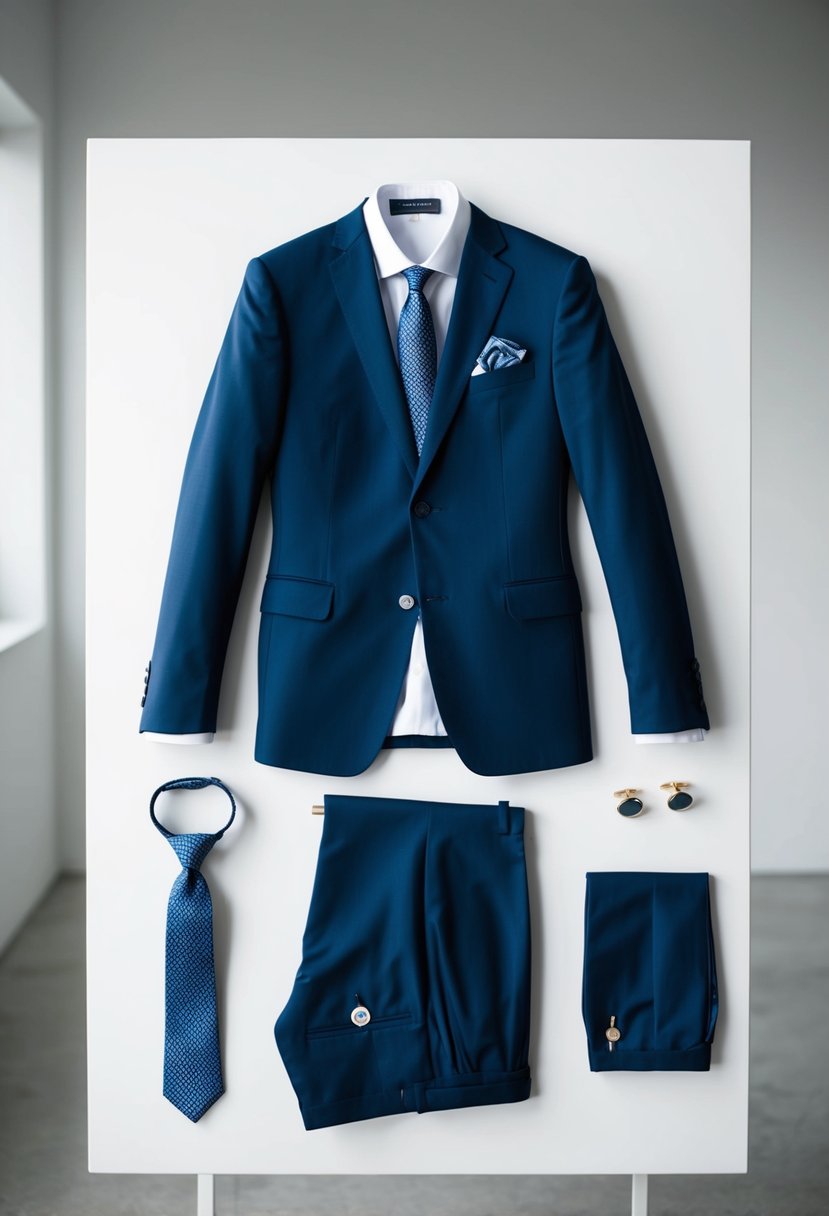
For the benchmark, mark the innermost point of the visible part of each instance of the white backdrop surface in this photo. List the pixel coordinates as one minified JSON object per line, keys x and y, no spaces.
{"x":171,"y":226}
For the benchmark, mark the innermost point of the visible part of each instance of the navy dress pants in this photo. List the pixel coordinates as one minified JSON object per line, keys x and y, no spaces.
{"x":649,"y":965}
{"x":418,"y":927}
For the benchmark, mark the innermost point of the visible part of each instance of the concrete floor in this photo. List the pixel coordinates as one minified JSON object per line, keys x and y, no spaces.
{"x":43,"y":1094}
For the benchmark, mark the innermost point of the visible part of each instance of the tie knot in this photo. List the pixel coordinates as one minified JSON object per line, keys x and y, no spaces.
{"x":191,"y":848}
{"x":416,"y":276}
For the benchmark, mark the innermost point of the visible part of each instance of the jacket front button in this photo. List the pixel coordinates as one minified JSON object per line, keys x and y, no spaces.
{"x":422,"y":509}
{"x":406,"y":601}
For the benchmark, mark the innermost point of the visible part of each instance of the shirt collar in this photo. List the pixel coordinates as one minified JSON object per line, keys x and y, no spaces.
{"x":446,"y":256}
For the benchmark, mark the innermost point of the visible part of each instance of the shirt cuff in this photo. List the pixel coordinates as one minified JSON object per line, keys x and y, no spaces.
{"x":695,"y":735}
{"x":202,"y":737}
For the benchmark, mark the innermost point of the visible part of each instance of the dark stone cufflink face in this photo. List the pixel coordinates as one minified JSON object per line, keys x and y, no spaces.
{"x":630,"y":806}
{"x":678,"y":799}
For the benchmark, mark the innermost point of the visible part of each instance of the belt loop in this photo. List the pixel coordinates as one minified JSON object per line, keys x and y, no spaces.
{"x":504,"y":817}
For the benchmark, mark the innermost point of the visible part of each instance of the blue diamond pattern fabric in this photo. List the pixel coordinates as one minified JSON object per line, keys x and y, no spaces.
{"x":417,"y":351}
{"x":192,"y":1053}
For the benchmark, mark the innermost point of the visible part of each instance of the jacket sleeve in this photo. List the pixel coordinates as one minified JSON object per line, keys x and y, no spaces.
{"x":232,"y":450}
{"x":617,"y":478}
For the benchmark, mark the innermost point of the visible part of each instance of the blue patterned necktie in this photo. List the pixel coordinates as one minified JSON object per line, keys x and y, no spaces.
{"x":192,"y":1055}
{"x":417,"y":350}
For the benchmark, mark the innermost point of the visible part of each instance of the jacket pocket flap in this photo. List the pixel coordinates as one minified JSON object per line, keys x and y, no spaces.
{"x":293,"y":596}
{"x":543,"y":597}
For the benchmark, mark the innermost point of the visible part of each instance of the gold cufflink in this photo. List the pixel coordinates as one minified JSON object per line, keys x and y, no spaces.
{"x":630,"y":806}
{"x":679,"y":800}
{"x":613,"y":1033}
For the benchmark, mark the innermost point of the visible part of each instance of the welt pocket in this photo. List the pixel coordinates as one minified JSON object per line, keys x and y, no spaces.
{"x":291,"y":595}
{"x":324,"y":1032}
{"x":503,"y":377}
{"x":532,"y":598}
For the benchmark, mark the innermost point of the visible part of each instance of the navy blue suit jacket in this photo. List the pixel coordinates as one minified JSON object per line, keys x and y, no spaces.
{"x":306,"y":392}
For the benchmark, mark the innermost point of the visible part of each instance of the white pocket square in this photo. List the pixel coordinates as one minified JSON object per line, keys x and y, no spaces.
{"x":498,"y":352}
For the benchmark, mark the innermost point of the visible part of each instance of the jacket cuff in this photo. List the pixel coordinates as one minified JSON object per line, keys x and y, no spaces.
{"x":205,"y":736}
{"x":694,"y":734}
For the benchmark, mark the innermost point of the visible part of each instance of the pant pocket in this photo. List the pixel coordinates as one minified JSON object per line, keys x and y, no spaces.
{"x":346,"y":1028}
{"x":335,"y":1062}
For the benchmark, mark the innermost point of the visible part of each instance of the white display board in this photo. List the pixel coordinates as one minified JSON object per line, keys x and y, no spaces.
{"x":171,"y":226}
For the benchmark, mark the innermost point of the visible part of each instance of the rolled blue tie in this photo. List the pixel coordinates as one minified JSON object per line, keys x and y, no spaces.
{"x":192,"y":1053}
{"x":417,"y":351}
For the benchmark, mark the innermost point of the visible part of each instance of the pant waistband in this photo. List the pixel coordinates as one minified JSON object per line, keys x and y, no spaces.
{"x":510,"y":818}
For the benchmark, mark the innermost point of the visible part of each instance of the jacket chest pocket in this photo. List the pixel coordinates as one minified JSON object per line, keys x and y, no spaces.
{"x":502,"y":377}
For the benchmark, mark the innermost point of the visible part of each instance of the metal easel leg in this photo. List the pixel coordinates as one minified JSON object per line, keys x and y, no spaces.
{"x":639,"y":1195}
{"x":204,"y":1195}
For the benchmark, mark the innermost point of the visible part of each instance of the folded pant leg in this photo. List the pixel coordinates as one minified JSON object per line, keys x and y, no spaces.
{"x":477,"y":926}
{"x":649,"y":963}
{"x":357,"y":948}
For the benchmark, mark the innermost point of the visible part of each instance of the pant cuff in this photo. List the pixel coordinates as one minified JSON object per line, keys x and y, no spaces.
{"x":439,"y":1093}
{"x":694,"y":1059}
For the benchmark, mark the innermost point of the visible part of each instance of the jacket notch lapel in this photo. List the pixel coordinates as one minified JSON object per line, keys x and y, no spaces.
{"x":481,"y":287}
{"x":355,"y":281}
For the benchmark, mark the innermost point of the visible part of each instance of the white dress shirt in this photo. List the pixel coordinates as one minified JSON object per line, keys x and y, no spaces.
{"x":434,"y":240}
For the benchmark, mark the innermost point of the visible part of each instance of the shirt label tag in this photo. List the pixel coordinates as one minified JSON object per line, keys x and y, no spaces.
{"x":406,"y":206}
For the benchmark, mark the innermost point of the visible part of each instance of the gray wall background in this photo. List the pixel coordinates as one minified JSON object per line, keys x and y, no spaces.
{"x":679,"y":69}
{"x":30,"y":855}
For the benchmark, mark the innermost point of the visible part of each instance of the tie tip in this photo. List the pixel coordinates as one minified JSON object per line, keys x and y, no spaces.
{"x":191,"y":1107}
